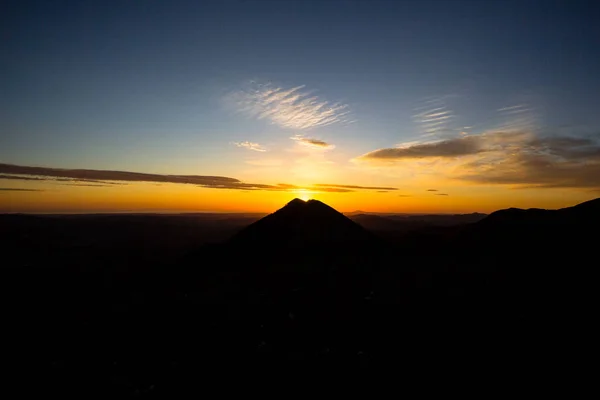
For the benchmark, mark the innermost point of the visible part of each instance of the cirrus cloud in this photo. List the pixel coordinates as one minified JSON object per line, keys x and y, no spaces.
{"x":293,"y":108}
{"x":3,"y":189}
{"x":355,"y":187}
{"x":250,"y":146}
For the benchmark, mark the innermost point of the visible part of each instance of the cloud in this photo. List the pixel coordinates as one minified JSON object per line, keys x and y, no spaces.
{"x":333,"y":190}
{"x":517,"y":117}
{"x":97,"y":178}
{"x":511,"y":108}
{"x":516,"y":152}
{"x":434,"y":116}
{"x":85,"y":184}
{"x":442,"y":194}
{"x":21,"y":178}
{"x":293,"y":108}
{"x":20,"y":190}
{"x":310,"y":142}
{"x":250,"y":146}
{"x":547,"y":162}
{"x":515,"y":109}
{"x":432,"y":190}
{"x":383,"y":191}
{"x":404,"y":195}
{"x":318,"y":188}
{"x":518,"y":158}
{"x":446,"y":148}
{"x":288,"y":186}
{"x":355,"y":186}
{"x":47,"y":178}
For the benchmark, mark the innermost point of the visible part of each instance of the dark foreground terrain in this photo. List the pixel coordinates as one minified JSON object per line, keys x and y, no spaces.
{"x":151,"y":305}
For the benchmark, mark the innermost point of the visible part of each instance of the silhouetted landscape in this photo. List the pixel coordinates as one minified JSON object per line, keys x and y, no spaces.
{"x":132,"y":304}
{"x":232,"y":197}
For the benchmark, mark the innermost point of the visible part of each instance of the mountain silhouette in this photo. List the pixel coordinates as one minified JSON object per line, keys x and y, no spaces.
{"x":583,"y":213}
{"x":302,"y":223}
{"x":533,"y":234}
{"x":377,"y":222}
{"x":304,"y":287}
{"x":399,"y":222}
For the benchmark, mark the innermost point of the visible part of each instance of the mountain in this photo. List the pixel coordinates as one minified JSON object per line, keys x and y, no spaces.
{"x":378,"y":223}
{"x":440,"y":219}
{"x":412,"y":222}
{"x":353,"y":213}
{"x":300,"y":289}
{"x":583,"y":213}
{"x":300,"y":224}
{"x":538,"y":236}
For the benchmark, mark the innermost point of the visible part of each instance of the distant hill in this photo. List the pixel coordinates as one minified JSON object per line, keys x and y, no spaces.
{"x":441,"y":219}
{"x":398,"y":222}
{"x":586,"y":212}
{"x":378,"y":223}
{"x":544,"y":235}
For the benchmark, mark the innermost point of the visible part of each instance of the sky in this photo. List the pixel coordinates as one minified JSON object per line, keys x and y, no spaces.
{"x":382,"y":106}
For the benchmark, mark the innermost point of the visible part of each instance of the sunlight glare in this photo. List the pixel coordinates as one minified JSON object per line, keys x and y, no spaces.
{"x":303,"y":194}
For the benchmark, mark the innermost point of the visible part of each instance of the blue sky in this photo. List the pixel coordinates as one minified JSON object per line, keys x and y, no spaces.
{"x":159,"y":86}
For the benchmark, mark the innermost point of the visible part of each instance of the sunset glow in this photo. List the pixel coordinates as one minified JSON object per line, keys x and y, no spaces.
{"x":196,"y":189}
{"x":397,"y":127}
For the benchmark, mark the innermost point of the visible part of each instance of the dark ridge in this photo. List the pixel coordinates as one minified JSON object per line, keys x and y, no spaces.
{"x":136,"y":305}
{"x":579,"y":213}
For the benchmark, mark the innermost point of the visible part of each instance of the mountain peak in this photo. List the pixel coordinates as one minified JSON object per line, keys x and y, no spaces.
{"x":302,"y":203}
{"x":296,"y":203}
{"x":299,"y":223}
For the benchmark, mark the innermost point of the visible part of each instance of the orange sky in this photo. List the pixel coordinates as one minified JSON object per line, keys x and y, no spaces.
{"x":55,"y":197}
{"x":472,"y":173}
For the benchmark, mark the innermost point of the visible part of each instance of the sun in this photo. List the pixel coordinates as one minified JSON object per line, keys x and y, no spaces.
{"x":303,"y":194}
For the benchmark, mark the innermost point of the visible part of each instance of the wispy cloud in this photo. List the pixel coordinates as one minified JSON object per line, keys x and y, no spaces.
{"x":355,"y":187}
{"x":540,"y":162}
{"x":442,"y":194}
{"x":250,"y":146}
{"x":446,"y":148}
{"x":85,"y":185}
{"x":432,"y":190}
{"x":98,"y":178}
{"x":517,"y":117}
{"x":21,"y":178}
{"x":433,"y":116}
{"x":333,"y":190}
{"x":51,"y":178}
{"x":19,"y":190}
{"x":517,"y":108}
{"x":310,"y":142}
{"x":518,"y":158}
{"x":293,"y":108}
{"x":101,"y":176}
